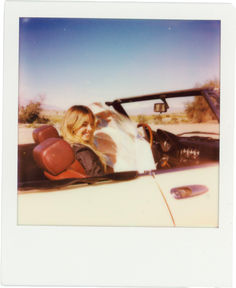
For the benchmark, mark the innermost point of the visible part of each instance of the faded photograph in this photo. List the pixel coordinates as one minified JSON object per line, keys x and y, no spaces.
{"x":118,"y":122}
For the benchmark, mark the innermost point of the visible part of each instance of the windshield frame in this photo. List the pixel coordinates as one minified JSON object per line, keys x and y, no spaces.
{"x":206,"y":93}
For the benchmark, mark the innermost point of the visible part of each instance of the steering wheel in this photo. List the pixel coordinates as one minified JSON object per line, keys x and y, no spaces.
{"x":148,"y":132}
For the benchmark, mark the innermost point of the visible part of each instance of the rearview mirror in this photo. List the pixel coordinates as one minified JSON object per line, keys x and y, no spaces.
{"x":160,"y":107}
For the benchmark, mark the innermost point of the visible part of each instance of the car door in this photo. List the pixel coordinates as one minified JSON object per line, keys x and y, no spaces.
{"x":136,"y":202}
{"x":200,"y":210}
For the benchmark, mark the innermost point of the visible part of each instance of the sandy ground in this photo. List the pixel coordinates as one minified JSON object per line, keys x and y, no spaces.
{"x":25,"y":133}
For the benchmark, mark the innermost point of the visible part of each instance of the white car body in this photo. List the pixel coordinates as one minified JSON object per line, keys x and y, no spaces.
{"x":144,"y":201}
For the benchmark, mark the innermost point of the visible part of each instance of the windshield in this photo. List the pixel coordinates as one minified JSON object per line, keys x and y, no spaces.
{"x":184,"y":115}
{"x":118,"y":138}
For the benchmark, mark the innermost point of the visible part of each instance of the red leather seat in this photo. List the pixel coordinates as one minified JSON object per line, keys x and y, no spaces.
{"x":55,"y":156}
{"x":44,"y":132}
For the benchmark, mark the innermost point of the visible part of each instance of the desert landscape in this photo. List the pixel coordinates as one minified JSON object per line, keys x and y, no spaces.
{"x":25,"y":132}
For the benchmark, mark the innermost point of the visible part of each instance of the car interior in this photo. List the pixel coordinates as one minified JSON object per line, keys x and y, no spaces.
{"x":51,"y":159}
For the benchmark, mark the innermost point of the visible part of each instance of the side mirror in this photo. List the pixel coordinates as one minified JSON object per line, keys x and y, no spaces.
{"x":160,"y":107}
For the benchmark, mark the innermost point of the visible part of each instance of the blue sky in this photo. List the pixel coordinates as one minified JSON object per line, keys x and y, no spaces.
{"x":79,"y":61}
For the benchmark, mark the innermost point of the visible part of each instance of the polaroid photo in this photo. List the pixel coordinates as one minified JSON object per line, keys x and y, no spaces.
{"x":118,"y":144}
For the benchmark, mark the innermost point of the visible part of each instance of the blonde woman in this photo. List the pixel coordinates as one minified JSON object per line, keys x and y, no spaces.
{"x":77,"y":129}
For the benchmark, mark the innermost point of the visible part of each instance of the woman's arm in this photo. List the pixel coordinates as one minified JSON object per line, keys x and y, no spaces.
{"x":89,"y":160}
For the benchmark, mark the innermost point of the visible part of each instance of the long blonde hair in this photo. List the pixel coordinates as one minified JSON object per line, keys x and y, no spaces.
{"x":72,"y":121}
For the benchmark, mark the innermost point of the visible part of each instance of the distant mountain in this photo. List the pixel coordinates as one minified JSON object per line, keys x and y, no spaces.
{"x":44,"y":106}
{"x":51,"y":107}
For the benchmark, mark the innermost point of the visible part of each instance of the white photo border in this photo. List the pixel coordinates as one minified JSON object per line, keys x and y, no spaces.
{"x":115,"y":256}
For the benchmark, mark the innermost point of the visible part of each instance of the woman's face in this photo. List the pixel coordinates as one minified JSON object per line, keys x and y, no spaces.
{"x":85,"y":131}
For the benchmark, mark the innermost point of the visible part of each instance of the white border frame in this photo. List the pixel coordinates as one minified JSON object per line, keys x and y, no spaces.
{"x":105,"y":256}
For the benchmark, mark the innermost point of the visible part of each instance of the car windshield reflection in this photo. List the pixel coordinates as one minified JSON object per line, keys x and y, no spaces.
{"x":118,"y":138}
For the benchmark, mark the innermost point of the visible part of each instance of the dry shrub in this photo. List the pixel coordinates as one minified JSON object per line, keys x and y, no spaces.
{"x":199,"y":111}
{"x":31,"y":113}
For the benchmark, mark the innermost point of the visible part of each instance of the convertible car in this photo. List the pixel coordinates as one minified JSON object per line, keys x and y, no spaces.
{"x":162,"y":173}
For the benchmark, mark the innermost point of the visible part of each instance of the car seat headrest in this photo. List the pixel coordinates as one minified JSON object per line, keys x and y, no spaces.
{"x":44,"y":132}
{"x":54,"y":155}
